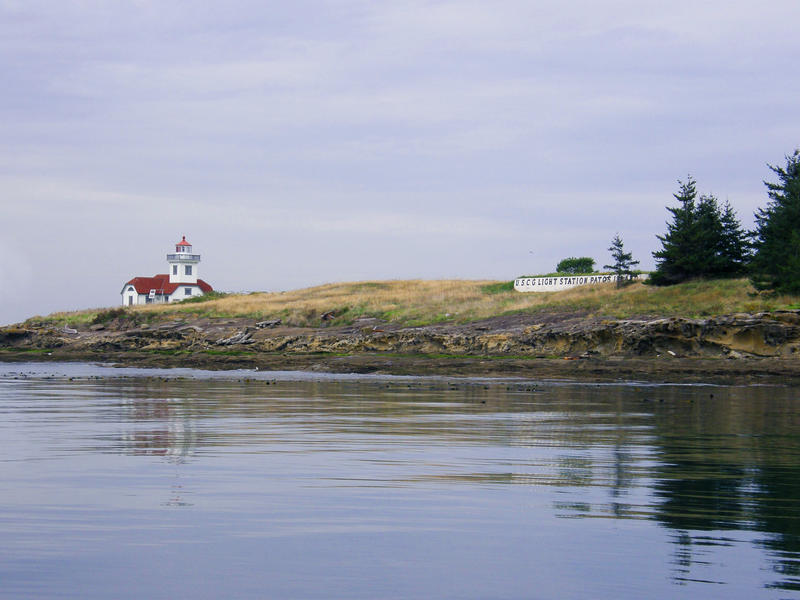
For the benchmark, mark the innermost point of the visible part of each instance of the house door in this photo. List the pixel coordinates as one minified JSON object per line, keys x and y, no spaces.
{"x":130,"y":300}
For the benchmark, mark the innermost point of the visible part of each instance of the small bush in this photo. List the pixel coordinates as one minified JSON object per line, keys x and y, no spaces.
{"x":108,"y":315}
{"x":204,"y":298}
{"x":574,"y":266}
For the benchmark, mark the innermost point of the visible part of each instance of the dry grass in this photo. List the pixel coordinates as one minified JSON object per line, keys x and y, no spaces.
{"x":416,"y":302}
{"x":421,"y":301}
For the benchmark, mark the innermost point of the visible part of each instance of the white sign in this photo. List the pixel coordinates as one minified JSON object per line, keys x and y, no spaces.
{"x":564,"y":282}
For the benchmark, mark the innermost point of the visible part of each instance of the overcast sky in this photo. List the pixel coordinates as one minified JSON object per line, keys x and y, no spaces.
{"x":297,"y":143}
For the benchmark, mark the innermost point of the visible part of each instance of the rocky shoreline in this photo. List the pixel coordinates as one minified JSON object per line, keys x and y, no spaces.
{"x":735,"y":348}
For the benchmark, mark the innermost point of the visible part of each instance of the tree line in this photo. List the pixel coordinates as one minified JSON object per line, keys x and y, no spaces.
{"x":706,"y":240}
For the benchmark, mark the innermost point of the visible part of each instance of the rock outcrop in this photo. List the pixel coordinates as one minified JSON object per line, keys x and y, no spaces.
{"x":774,"y":334}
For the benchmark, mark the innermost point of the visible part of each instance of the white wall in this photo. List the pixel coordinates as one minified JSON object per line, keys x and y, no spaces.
{"x":556,"y":284}
{"x":179,"y":294}
{"x":142,"y":298}
{"x":181,"y":277}
{"x":126,"y":294}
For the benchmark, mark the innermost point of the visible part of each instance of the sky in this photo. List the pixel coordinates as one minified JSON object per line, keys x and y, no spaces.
{"x":306,"y":142}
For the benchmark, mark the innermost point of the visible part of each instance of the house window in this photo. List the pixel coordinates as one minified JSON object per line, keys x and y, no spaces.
{"x":130,"y":288}
{"x":187,"y":291}
{"x":174,"y":269}
{"x":188,"y":269}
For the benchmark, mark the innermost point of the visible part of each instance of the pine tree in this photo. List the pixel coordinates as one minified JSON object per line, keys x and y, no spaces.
{"x":674,"y":262}
{"x":703,"y":240}
{"x":623,"y":261}
{"x":707,"y":260}
{"x":776,"y":264}
{"x":735,"y":248}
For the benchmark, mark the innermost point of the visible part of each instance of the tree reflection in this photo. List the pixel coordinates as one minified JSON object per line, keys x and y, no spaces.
{"x":729,"y":464}
{"x":777,"y":514}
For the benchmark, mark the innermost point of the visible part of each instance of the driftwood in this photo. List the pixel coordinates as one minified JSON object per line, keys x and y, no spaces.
{"x":240,"y":337}
{"x":266,"y":324}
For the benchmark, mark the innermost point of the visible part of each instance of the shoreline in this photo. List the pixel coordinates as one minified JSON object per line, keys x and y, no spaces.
{"x":671,"y":370}
{"x":568,"y":345}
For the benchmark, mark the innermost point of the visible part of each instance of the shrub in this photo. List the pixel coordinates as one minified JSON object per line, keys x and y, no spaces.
{"x":573,"y":265}
{"x":204,"y":298}
{"x":108,"y":315}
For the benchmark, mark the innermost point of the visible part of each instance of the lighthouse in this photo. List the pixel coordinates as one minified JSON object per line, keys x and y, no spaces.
{"x":180,"y":283}
{"x":183,"y":264}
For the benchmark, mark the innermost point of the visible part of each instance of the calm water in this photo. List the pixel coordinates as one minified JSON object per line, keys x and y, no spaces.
{"x":212,"y":486}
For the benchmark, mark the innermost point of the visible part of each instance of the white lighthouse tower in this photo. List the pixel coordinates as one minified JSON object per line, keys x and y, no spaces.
{"x":181,"y":283}
{"x":183,"y":264}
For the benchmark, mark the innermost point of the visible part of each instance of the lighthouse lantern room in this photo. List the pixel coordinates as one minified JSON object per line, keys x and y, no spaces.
{"x":179,"y":284}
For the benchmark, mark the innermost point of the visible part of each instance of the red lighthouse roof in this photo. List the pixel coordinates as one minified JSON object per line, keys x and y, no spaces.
{"x":183,"y":242}
{"x":161,"y":284}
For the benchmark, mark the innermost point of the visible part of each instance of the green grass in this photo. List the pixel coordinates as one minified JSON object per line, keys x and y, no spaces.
{"x":690,"y":299}
{"x":28,"y":350}
{"x":228,"y":352}
{"x":96,"y":316}
{"x":204,"y":298}
{"x":498,"y":288}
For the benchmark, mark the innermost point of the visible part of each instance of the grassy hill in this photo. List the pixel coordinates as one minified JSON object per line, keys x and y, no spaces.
{"x":419,"y":302}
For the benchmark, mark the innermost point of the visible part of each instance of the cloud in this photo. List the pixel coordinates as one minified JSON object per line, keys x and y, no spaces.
{"x":410,"y":138}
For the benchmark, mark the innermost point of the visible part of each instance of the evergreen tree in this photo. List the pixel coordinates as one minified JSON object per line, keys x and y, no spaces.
{"x":735,"y":247}
{"x":623,"y":261}
{"x":703,"y":240}
{"x":776,"y":264}
{"x":674,"y":262}
{"x":707,"y":260}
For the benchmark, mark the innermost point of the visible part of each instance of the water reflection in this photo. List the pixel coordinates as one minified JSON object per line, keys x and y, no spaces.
{"x":708,"y":474}
{"x":730,"y":464}
{"x":702,"y":463}
{"x":166,"y":428}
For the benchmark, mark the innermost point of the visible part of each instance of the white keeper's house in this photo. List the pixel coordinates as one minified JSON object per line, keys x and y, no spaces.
{"x":180,"y":283}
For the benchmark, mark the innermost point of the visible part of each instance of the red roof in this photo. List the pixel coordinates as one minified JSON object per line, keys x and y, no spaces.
{"x":183,"y":242}
{"x":161,"y":284}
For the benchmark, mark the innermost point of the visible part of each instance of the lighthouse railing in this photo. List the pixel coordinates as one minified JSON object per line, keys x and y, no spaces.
{"x":189,"y":257}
